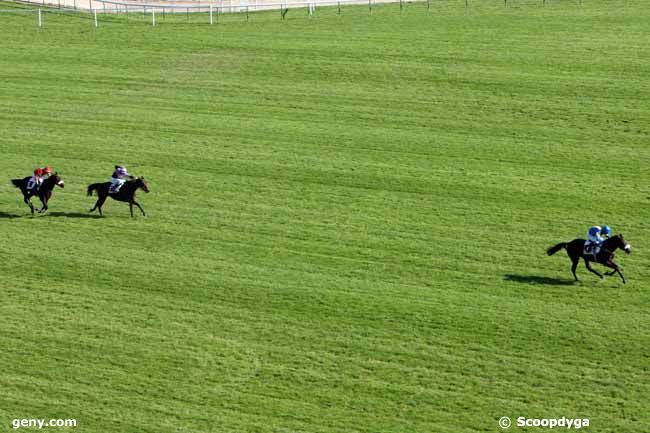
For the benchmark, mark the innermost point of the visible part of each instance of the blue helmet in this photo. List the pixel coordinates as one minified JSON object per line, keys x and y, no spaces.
{"x":606,"y":230}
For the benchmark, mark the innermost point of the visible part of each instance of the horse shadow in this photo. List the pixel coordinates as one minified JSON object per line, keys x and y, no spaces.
{"x":9,"y":215}
{"x":538,"y":279}
{"x":72,"y":215}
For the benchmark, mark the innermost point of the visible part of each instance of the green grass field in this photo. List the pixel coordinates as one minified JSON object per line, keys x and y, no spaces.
{"x":347,"y":225}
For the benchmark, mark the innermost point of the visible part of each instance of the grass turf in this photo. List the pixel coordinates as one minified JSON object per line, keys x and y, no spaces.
{"x":347,"y":224}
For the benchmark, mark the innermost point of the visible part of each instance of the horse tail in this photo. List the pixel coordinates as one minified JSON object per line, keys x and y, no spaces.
{"x":17,"y":182}
{"x":93,"y":187}
{"x":554,"y":249}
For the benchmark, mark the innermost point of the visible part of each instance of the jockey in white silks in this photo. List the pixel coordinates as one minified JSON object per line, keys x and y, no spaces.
{"x":118,"y":179}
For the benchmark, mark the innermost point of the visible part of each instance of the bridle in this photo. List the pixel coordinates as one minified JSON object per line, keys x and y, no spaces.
{"x":626,"y":247}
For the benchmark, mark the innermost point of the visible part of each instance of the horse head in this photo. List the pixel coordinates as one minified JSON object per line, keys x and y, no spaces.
{"x":141,"y":183}
{"x":57,"y":180}
{"x":619,"y":241}
{"x":52,"y":181}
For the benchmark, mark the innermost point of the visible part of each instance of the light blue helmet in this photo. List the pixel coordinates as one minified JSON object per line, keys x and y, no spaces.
{"x":606,"y":230}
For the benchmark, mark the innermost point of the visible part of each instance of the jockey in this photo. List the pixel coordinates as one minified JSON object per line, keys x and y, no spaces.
{"x":606,"y":231}
{"x":595,"y":237}
{"x":47,"y":171}
{"x":117,"y":179}
{"x":36,"y":180}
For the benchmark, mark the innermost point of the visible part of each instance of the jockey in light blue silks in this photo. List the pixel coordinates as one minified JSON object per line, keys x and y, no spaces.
{"x":117,"y":179}
{"x":596,"y":235}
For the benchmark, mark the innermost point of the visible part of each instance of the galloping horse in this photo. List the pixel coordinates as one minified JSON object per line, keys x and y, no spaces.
{"x":44,"y":192}
{"x":126,"y":193}
{"x":575,"y":250}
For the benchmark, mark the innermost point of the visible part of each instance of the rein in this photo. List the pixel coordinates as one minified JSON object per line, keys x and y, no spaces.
{"x":49,"y":184}
{"x":609,"y":251}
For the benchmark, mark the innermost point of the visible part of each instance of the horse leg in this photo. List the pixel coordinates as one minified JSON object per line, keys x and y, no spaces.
{"x":139,"y":207}
{"x":621,"y":274}
{"x":99,"y":204}
{"x":592,"y":269}
{"x":44,"y":202}
{"x":28,"y":202}
{"x":574,"y":266}
{"x":615,"y":268}
{"x":48,"y":196}
{"x":131,"y":208}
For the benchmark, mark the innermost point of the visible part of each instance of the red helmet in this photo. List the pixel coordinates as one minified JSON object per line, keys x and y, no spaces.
{"x":38,"y":172}
{"x":47,"y":169}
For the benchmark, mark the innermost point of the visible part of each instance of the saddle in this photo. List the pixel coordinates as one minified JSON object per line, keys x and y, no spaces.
{"x":591,"y":248}
{"x":34,"y":188}
{"x":114,"y":188}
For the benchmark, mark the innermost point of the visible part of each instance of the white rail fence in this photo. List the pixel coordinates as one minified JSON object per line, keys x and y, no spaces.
{"x":211,"y":10}
{"x":220,"y":6}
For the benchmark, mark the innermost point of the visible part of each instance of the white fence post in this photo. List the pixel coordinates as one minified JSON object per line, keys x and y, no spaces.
{"x":210,"y":13}
{"x":153,"y":16}
{"x":40,"y":18}
{"x":95,"y":12}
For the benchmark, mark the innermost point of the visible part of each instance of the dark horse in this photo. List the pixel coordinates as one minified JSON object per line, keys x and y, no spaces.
{"x":44,"y":192}
{"x":126,"y":193}
{"x":575,"y":250}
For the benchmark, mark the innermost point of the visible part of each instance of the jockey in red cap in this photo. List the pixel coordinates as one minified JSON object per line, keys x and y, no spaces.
{"x":35,"y":181}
